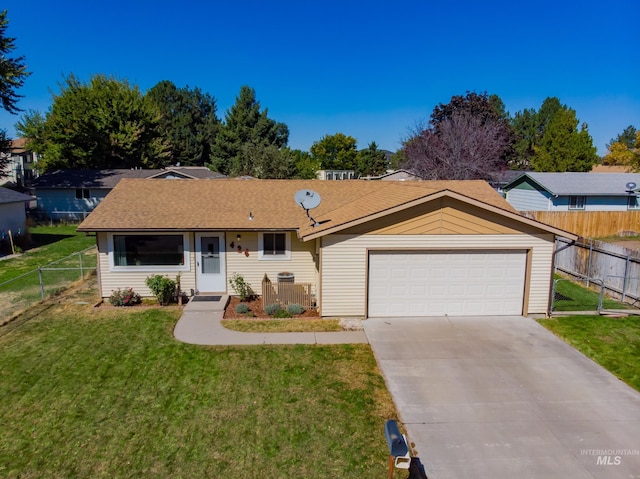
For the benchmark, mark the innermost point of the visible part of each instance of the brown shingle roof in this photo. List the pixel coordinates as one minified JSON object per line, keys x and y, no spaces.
{"x":225,"y":204}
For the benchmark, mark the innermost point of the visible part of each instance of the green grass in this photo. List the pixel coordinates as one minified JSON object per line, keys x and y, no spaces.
{"x":614,"y":343}
{"x":109,"y":393}
{"x":50,"y":243}
{"x":282,"y":325}
{"x":572,"y":296}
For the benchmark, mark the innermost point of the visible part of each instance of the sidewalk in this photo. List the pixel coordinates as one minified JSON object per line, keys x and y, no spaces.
{"x":200,"y":324}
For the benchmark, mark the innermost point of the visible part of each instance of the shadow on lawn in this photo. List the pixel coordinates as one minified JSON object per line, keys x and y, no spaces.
{"x":42,"y":239}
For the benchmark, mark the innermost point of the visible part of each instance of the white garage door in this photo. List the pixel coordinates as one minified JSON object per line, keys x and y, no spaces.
{"x":454,"y":283}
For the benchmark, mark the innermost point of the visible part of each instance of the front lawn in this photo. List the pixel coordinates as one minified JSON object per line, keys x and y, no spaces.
{"x":614,"y":343}
{"x":109,"y":393}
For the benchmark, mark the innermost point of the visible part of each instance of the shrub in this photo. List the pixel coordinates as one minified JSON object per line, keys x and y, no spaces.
{"x":272,"y":309}
{"x":294,"y":309}
{"x":163,"y":288}
{"x":125,"y":297}
{"x":242,"y":308}
{"x":241,"y":287}
{"x":282,"y":314}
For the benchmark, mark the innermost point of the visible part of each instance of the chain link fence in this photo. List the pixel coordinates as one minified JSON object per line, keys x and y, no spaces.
{"x":20,"y":293}
{"x":606,"y":277}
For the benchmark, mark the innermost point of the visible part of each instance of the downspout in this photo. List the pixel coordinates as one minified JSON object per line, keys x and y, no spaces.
{"x":553,"y":269}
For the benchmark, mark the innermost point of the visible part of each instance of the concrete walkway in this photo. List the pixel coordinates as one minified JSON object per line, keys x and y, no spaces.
{"x":200,"y":324}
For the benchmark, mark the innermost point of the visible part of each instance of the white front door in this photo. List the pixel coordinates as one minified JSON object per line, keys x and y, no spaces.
{"x":210,"y":265}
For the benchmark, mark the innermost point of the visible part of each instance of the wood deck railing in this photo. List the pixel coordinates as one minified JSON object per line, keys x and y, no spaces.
{"x":286,"y":293}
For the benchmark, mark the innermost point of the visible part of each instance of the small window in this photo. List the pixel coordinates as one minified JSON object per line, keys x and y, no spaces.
{"x":274,"y":246}
{"x":632,"y":202}
{"x":577,"y":202}
{"x":82,"y":193}
{"x":329,"y":176}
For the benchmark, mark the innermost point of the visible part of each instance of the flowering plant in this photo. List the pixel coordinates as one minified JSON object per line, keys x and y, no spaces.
{"x":124,"y":297}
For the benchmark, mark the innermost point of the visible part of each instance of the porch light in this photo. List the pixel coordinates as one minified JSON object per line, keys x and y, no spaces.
{"x":238,"y":238}
{"x":250,"y":216}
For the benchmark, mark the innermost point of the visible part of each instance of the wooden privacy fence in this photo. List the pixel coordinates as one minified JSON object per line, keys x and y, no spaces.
{"x":286,"y":293}
{"x":617,"y":268}
{"x":589,"y":224}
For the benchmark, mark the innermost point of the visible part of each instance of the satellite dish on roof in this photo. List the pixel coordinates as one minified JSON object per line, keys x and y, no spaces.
{"x":631,"y":186}
{"x":308,"y":199}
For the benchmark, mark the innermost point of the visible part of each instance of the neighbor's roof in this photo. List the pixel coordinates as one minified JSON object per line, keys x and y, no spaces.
{"x":10,"y":196}
{"x":587,"y":184}
{"x":109,"y":178}
{"x":226,"y":204}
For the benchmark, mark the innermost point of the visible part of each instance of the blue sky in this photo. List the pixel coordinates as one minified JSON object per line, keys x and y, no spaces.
{"x":371,"y":69}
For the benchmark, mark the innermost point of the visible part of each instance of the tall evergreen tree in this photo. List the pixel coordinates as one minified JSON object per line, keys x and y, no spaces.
{"x":627,"y":137}
{"x":371,"y":161}
{"x":525,"y":126}
{"x":187,"y":121}
{"x":564,"y":146}
{"x":246,"y":129}
{"x":13,"y":72}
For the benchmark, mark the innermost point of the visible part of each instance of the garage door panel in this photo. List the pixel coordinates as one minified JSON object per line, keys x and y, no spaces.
{"x":446,"y":283}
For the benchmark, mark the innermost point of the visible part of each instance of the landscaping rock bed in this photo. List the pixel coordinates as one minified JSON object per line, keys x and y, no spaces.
{"x":257,"y":312}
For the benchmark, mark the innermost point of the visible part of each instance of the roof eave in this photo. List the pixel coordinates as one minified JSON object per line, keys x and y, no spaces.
{"x":512,"y":215}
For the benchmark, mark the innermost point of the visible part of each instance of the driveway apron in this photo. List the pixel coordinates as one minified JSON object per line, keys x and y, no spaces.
{"x":502,"y":397}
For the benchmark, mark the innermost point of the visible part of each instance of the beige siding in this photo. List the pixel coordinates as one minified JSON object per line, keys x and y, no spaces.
{"x":344,"y":264}
{"x":111,"y":280}
{"x":301,"y":263}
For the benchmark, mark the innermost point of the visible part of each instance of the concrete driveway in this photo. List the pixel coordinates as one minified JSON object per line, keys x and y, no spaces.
{"x":501,"y":397}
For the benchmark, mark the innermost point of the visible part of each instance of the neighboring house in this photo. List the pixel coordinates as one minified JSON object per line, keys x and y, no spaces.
{"x":371,"y":248}
{"x":574,"y":192}
{"x":500,"y":179}
{"x":20,"y":170}
{"x":394,"y":175}
{"x":12,"y":211}
{"x":73,"y":194}
{"x":336,"y":174}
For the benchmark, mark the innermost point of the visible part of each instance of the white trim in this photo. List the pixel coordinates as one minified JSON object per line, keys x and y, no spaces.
{"x":580,"y":202}
{"x":186,"y":253}
{"x":274,"y":257}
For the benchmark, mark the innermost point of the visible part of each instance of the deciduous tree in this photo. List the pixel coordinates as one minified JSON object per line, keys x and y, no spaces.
{"x":625,"y":149}
{"x":105,"y":123}
{"x":460,"y":147}
{"x":306,"y":167}
{"x":335,"y":152}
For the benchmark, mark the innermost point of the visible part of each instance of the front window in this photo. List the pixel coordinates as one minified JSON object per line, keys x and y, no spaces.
{"x":632,"y":202}
{"x":274,"y":246}
{"x":577,"y":202}
{"x":148,"y":250}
